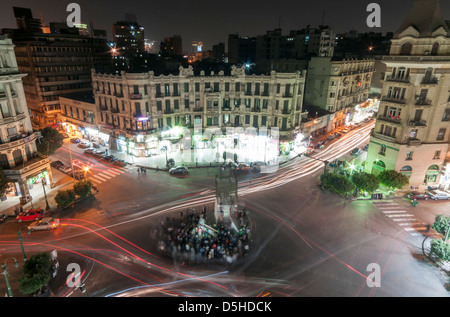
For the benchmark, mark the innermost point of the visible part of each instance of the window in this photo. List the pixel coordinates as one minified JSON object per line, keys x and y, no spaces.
{"x":446,"y":116}
{"x":186,"y":103}
{"x":186,"y":87}
{"x":247,"y":119}
{"x":159,"y":105}
{"x":248,"y":102}
{"x":263,"y":120}
{"x":237,"y":87}
{"x":441,"y":134}
{"x":409,"y":156}
{"x":176,"y":104}
{"x":265,"y":103}
{"x":437,"y":155}
{"x":382,"y":150}
{"x":216,"y":87}
{"x":237,"y":102}
{"x":227,"y":86}
{"x":197,"y":87}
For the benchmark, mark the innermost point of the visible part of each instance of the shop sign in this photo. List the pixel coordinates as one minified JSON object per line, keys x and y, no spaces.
{"x":37,"y":178}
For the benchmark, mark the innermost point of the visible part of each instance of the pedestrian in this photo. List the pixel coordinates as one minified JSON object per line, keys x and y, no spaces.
{"x":21,"y":209}
{"x":139,"y":170}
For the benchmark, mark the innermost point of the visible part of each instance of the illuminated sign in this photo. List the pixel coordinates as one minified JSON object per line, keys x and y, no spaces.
{"x":37,"y":178}
{"x":143,"y":119}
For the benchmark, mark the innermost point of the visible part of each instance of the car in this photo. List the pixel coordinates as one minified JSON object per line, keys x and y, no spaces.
{"x":438,"y":195}
{"x":418,"y":196}
{"x":337,"y":134}
{"x":98,"y":153}
{"x":75,"y":140}
{"x":56,"y":164}
{"x":366,"y":120}
{"x":109,"y":158}
{"x":81,"y":164}
{"x":356,"y":151}
{"x":44,"y":224}
{"x":179,"y":170}
{"x":65,"y":135}
{"x":3,"y":218}
{"x":242,"y":167}
{"x":89,"y":151}
{"x":84,"y":145}
{"x":357,"y":125}
{"x":309,"y":151}
{"x":120,"y":163}
{"x":330,"y":137}
{"x":65,"y":169}
{"x":31,"y":215}
{"x":346,"y":130}
{"x":366,"y":147}
{"x":78,"y":175}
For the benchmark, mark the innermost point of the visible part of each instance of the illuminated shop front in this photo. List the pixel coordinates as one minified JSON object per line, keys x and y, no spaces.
{"x":364,"y":110}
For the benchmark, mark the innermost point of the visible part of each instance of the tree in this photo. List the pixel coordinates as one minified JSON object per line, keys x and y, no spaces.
{"x":51,"y":141}
{"x":336,"y":183}
{"x":366,"y":182}
{"x":36,"y":273}
{"x":441,"y":249}
{"x":4,"y":183}
{"x":393,"y":179}
{"x":82,"y":188}
{"x":441,"y":224}
{"x":65,"y":197}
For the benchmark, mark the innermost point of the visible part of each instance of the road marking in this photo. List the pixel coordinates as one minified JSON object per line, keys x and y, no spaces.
{"x":393,"y":211}
{"x":99,"y":177}
{"x":401,"y":215}
{"x":403,"y":219}
{"x":109,"y":173}
{"x":105,"y":175}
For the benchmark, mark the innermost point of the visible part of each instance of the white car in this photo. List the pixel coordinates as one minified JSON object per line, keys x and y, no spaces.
{"x":439,"y":195}
{"x":65,"y":169}
{"x":44,"y":224}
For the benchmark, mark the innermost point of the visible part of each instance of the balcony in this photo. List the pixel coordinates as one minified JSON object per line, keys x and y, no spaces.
{"x":383,"y":137}
{"x":226,"y":108}
{"x":103,"y":108}
{"x":18,"y":140}
{"x":115,"y":110}
{"x":35,"y":163}
{"x":288,"y":95}
{"x":169,"y":111}
{"x":417,"y":123}
{"x":286,"y":111}
{"x":430,"y":81}
{"x":398,"y":79}
{"x":137,"y":115}
{"x":199,"y":109}
{"x":394,"y":100}
{"x":422,"y":101}
{"x":12,"y":119}
{"x":135,"y":96}
{"x":389,"y":119}
{"x":413,"y":142}
{"x":256,"y":109}
{"x":159,"y":95}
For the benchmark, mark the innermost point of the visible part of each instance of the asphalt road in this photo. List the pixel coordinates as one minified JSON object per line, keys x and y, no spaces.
{"x":306,"y":242}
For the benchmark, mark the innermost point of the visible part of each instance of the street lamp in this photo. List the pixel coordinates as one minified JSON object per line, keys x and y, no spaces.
{"x":6,"y":274}
{"x":44,"y":182}
{"x":19,"y":234}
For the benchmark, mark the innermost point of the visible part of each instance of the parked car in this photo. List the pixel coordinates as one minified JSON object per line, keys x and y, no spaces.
{"x":78,"y":175}
{"x":242,"y":167}
{"x":75,"y":140}
{"x":366,"y":120}
{"x":337,"y":134}
{"x":357,"y":125}
{"x":95,"y":145}
{"x":346,"y":130}
{"x":356,"y":151}
{"x":84,"y":145}
{"x":44,"y":224}
{"x":120,"y":163}
{"x":65,"y":169}
{"x":56,"y":164}
{"x":179,"y":170}
{"x":439,"y":195}
{"x":89,"y":151}
{"x":330,"y":137}
{"x":65,"y":135}
{"x":309,"y":151}
{"x":418,"y":196}
{"x":109,"y":158}
{"x":98,"y":153}
{"x":31,"y":215}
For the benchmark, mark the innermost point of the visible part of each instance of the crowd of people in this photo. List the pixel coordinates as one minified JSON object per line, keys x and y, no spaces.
{"x":189,"y":239}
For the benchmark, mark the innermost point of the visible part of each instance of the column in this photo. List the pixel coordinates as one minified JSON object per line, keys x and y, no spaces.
{"x":10,"y":100}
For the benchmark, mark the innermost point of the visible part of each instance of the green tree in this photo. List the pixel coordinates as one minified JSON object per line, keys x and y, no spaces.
{"x":36,"y":273}
{"x":65,"y":197}
{"x":51,"y":141}
{"x":441,"y":249}
{"x":366,"y":182}
{"x":336,"y":183}
{"x":441,"y":224}
{"x":82,"y":188}
{"x":393,"y":179}
{"x":4,"y":183}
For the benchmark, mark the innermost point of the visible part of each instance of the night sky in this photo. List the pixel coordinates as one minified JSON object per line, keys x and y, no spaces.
{"x":211,"y":21}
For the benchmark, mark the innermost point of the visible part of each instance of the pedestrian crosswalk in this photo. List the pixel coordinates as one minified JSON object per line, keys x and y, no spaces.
{"x":402,"y":217}
{"x":101,"y":176}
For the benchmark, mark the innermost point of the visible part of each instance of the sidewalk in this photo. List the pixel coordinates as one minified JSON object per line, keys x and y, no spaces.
{"x":61,"y":182}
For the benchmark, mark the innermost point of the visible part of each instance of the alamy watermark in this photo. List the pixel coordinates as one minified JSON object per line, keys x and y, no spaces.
{"x":374,"y":278}
{"x":374,"y":18}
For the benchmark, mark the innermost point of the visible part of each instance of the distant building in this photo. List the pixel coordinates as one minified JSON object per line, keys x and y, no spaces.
{"x":218,"y":52}
{"x":129,"y":37}
{"x":172,"y":46}
{"x":25,"y":21}
{"x":241,"y":49}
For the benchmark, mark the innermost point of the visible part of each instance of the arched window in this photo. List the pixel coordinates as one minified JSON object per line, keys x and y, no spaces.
{"x":18,"y":159}
{"x":431,"y":174}
{"x":435,"y":49}
{"x":4,"y":161}
{"x":406,"y":168}
{"x":406,"y":49}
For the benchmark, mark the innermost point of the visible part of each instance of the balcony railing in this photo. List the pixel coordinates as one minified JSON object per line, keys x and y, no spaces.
{"x":12,"y":119}
{"x":115,"y":110}
{"x":286,"y":111}
{"x":398,"y":79}
{"x":430,"y":81}
{"x":394,"y":100}
{"x":389,"y":119}
{"x":169,"y":111}
{"x":417,"y":123}
{"x":422,"y":101}
{"x":135,"y":96}
{"x":199,"y":109}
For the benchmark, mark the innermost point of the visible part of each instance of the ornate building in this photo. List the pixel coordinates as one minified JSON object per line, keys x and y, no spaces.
{"x":412,"y":130}
{"x":19,"y":158}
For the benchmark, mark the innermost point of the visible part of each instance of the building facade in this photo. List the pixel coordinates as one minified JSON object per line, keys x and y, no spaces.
{"x":19,"y":158}
{"x":144,"y":109}
{"x":340,"y":87}
{"x":412,"y":130}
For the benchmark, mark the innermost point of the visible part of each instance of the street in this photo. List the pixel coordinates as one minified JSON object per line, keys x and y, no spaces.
{"x":306,"y":242}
